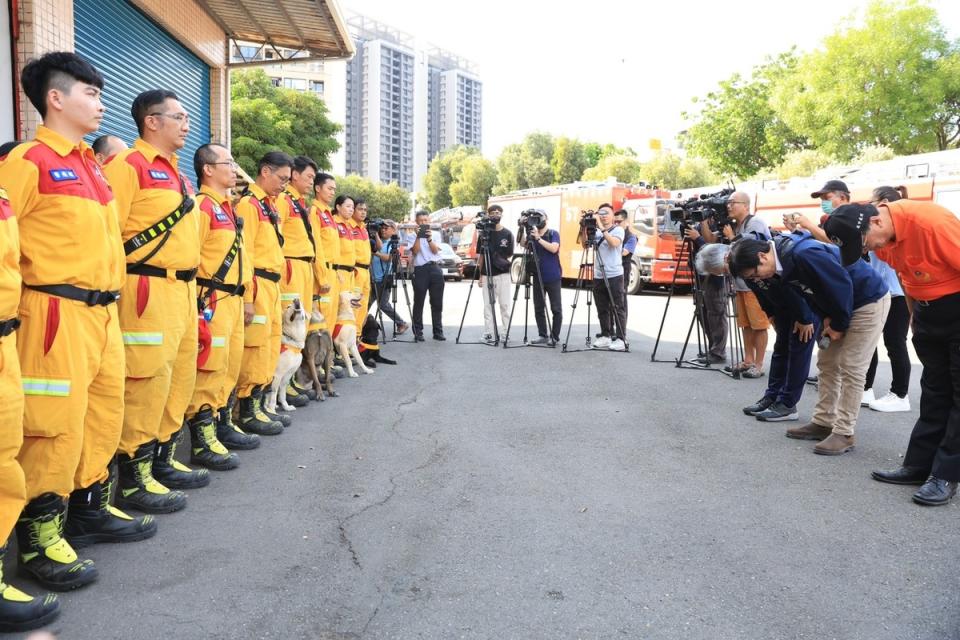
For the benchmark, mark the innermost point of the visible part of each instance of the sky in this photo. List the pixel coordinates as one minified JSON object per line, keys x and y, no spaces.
{"x":608,"y":70}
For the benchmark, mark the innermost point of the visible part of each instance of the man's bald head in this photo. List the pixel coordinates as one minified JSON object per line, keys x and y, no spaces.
{"x":105,"y":147}
{"x":739,"y":205}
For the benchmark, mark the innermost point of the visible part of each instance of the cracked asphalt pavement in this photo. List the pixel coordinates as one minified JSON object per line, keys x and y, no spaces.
{"x":473,"y":492}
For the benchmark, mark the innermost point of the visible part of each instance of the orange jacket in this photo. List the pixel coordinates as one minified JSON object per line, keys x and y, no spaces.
{"x":9,"y":260}
{"x":348,"y":252}
{"x":217,"y":234}
{"x":326,"y":234}
{"x":259,"y":237}
{"x":926,"y":251}
{"x":65,"y":214}
{"x":361,"y":241}
{"x":147,"y":187}
{"x":296,"y":242}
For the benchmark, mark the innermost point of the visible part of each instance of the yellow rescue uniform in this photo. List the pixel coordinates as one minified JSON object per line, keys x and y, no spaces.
{"x":346,"y":264}
{"x":299,"y":253}
{"x":328,"y":253}
{"x":71,"y":352}
{"x":221,"y":243}
{"x":364,"y":255}
{"x":261,"y":340}
{"x":12,"y":488}
{"x":158,"y":313}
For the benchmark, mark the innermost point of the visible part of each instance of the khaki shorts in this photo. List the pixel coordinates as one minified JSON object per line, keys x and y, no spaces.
{"x":749,"y":313}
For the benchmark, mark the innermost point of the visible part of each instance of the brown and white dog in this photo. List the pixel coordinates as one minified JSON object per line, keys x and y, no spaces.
{"x":291,"y":347}
{"x":345,"y":334}
{"x":318,"y":356}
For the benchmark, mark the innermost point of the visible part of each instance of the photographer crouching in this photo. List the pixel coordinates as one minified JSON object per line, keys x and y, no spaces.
{"x":546,"y":244}
{"x":608,"y":270}
{"x":386,"y":254}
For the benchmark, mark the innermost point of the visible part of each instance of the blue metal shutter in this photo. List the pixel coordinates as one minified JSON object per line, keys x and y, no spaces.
{"x":133,"y":54}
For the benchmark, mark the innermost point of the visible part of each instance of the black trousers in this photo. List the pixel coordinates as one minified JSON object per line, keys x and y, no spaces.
{"x":715,"y":314}
{"x":552,"y":289}
{"x":428,"y":277}
{"x":935,"y":441}
{"x":609,"y":306}
{"x":895,"y":340}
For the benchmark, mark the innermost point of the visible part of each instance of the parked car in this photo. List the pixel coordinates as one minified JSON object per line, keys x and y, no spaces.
{"x":450,"y":262}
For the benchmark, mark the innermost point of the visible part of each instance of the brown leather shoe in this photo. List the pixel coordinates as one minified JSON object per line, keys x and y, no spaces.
{"x":809,"y":431}
{"x":835,"y":445}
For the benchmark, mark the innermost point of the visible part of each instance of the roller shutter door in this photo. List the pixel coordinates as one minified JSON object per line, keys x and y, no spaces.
{"x":134,"y":55}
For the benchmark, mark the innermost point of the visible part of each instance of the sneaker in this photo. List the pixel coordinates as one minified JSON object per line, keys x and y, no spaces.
{"x":891,"y":403}
{"x":402,"y":328}
{"x":777,"y":412}
{"x":752,"y":372}
{"x":868,"y":397}
{"x":488,"y":339}
{"x":618,"y":345}
{"x":757,"y":407}
{"x":603,"y":342}
{"x":540,"y":340}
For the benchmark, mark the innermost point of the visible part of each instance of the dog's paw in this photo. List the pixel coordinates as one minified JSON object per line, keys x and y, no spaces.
{"x":333,"y":394}
{"x":354,"y":374}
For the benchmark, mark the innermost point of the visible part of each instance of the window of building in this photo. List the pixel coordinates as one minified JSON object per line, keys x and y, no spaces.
{"x":300,"y":84}
{"x":317,"y":87}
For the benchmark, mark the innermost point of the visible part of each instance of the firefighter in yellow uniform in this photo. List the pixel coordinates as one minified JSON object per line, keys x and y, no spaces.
{"x":69,"y":343}
{"x":364,"y":255}
{"x":325,"y":190}
{"x":224,"y":274}
{"x":263,"y":241}
{"x":300,"y":254}
{"x":18,"y":611}
{"x":346,"y":264}
{"x":158,"y":313}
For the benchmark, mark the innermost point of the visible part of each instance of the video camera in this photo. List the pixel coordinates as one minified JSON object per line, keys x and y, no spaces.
{"x":484,"y":225}
{"x":707,"y":206}
{"x":588,"y":226}
{"x":374,"y":226}
{"x":532,"y":219}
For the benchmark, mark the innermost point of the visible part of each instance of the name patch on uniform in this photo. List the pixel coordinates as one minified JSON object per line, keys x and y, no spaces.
{"x":62,"y":175}
{"x":219,"y":214}
{"x":159,"y":175}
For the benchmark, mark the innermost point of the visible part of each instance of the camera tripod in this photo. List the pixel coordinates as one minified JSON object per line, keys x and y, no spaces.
{"x":483,"y":244}
{"x":700,"y":319}
{"x":585,"y":274}
{"x":526,"y":276}
{"x":389,"y":287}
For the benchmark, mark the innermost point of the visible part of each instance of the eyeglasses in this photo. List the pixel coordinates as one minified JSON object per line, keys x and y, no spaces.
{"x":181,"y":118}
{"x":736,"y":202}
{"x":232,"y":163}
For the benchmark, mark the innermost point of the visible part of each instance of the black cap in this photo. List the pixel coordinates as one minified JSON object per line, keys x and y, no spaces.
{"x":832,"y":185}
{"x":845,"y":228}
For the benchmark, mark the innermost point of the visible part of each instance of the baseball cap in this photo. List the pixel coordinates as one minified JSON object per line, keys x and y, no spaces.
{"x":845,"y":228}
{"x":831,"y":185}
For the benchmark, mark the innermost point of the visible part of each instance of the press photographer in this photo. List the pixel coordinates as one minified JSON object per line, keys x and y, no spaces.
{"x":385,"y":257}
{"x":607,"y":272}
{"x":500,"y":245}
{"x":630,"y":240}
{"x":546,"y":245}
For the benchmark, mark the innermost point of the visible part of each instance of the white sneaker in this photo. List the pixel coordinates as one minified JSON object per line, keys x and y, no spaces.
{"x":868,"y":398}
{"x":891,"y":403}
{"x":618,"y":345}
{"x":603,"y":342}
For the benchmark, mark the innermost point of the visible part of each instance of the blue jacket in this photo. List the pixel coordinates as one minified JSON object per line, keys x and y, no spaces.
{"x":815,"y":269}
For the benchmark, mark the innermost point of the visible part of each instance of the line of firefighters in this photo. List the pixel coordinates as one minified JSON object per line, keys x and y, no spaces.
{"x":109,"y":280}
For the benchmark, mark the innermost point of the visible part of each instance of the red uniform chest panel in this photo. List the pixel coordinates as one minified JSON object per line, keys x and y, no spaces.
{"x":221,"y":217}
{"x":72,"y":175}
{"x":294,"y":211}
{"x":344,"y":232}
{"x":158,"y":174}
{"x":360,"y":233}
{"x":326,"y":219}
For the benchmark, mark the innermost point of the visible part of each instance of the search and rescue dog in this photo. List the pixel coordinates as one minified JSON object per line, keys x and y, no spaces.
{"x":318,"y":353}
{"x":345,"y":334}
{"x":291,"y":354}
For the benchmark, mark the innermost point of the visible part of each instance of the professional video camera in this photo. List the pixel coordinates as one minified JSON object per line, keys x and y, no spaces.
{"x":588,"y":226}
{"x":374,"y":226}
{"x":707,"y":206}
{"x":484,"y":226}
{"x":532,"y":219}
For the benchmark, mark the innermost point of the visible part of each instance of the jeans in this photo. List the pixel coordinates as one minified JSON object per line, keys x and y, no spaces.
{"x":790,"y":362}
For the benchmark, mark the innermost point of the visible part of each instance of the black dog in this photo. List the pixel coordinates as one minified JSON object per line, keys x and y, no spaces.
{"x":369,"y":344}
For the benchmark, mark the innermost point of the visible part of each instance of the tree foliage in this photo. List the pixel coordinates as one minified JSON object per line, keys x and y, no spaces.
{"x":569,"y":160}
{"x":623,"y":167}
{"x":266,"y":118}
{"x":383,"y":201}
{"x":458,"y":176}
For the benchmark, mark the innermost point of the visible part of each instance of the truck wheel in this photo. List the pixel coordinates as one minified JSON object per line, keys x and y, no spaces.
{"x":634,"y":284}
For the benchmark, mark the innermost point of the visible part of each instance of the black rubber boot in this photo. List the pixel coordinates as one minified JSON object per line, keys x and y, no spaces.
{"x":205,"y":449}
{"x":92,"y":519}
{"x":232,"y":436}
{"x":282,"y":418}
{"x":300,"y":389}
{"x":21,"y":612}
{"x":172,"y":473}
{"x":139,"y":490}
{"x":297,"y":399}
{"x":252,"y":420}
{"x":45,"y":555}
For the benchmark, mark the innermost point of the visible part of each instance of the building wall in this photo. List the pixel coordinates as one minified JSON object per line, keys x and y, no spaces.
{"x":45,"y":25}
{"x":6,"y":78}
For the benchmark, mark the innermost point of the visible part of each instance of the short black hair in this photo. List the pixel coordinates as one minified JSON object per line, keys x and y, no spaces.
{"x":300,"y":164}
{"x":420,"y":212}
{"x":144,"y":104}
{"x":494,"y":207}
{"x":7,"y":147}
{"x":101,"y":143}
{"x":56,"y":70}
{"x":275,"y":160}
{"x":744,"y":254}
{"x":343,"y":198}
{"x":890,"y":194}
{"x":359,"y":201}
{"x":204,"y":155}
{"x":605,"y":205}
{"x":321,"y":178}
{"x":620,"y":213}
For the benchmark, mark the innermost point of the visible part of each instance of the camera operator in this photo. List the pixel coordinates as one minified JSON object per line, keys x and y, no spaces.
{"x":714,"y":289}
{"x":629,"y":246}
{"x":387,"y":248}
{"x":501,"y":257}
{"x":795,"y":325}
{"x":853,"y":302}
{"x":609,"y":263}
{"x":833,"y":195}
{"x":751,"y":319}
{"x":546,"y":242}
{"x":427,"y":276}
{"x":921,"y":241}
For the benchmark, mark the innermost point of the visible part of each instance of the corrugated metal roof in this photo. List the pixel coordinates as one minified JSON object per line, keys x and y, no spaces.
{"x":316,"y":26}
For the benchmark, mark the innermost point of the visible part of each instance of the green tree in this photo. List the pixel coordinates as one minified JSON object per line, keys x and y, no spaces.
{"x":802,"y":163}
{"x":383,"y":201}
{"x":667,"y":170}
{"x":625,"y":168}
{"x":890,"y":79}
{"x":265,"y":118}
{"x":446,"y":175}
{"x":874,"y":153}
{"x":569,"y":160}
{"x":525,"y":165}
{"x":737,"y":129}
{"x":473,"y":181}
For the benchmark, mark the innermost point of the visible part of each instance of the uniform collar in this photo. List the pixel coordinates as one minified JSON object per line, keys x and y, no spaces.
{"x":218,"y":197}
{"x":257,"y":191}
{"x":59,"y":143}
{"x":293,"y":193}
{"x":150,"y":152}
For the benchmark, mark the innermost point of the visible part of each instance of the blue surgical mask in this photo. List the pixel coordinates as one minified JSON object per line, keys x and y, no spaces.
{"x":827,"y":206}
